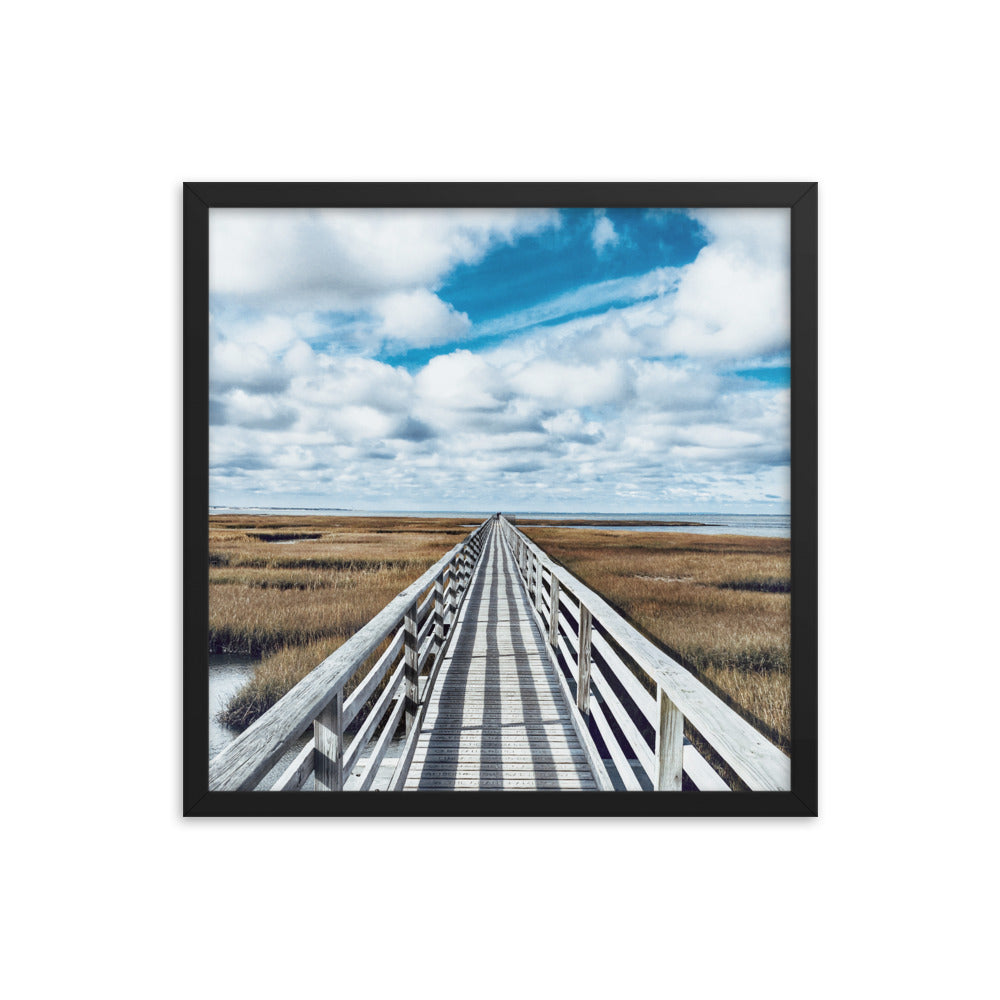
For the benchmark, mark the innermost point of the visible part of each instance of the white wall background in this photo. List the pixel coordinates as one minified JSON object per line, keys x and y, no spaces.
{"x":110,"y":106}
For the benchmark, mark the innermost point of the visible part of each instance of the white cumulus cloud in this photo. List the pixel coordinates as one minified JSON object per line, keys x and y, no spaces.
{"x":419,"y":318}
{"x":603,"y":234}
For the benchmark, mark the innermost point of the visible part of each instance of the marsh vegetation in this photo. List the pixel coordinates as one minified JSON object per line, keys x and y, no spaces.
{"x":293,"y":605}
{"x":720,"y":604}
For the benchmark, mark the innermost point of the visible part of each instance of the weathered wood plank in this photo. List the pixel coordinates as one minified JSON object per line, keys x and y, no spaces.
{"x":554,"y":617}
{"x":701,"y":772}
{"x":498,"y":703}
{"x":583,"y":663}
{"x":398,"y":779}
{"x":373,"y":719}
{"x":355,"y":702}
{"x":540,"y":755}
{"x":669,"y":746}
{"x":384,"y":739}
{"x":328,"y":739}
{"x":411,"y":666}
{"x":644,"y":701}
{"x":636,"y":741}
{"x":439,"y":611}
{"x":298,"y":772}
{"x":621,"y":762}
{"x":502,"y":784}
{"x":505,"y":770}
{"x":570,"y":658}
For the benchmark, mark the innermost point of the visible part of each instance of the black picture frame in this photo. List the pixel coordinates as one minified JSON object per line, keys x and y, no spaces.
{"x":800,"y":198}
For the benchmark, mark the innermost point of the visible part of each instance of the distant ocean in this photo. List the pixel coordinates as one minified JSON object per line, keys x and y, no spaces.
{"x":768,"y":525}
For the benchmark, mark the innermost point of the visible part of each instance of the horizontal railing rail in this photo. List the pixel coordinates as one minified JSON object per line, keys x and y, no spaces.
{"x":418,"y":622}
{"x":601,"y":660}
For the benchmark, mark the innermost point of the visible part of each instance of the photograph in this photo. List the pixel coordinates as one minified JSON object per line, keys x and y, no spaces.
{"x":490,"y":489}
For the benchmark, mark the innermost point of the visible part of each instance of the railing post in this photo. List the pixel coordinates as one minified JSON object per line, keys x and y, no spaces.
{"x":669,"y":745}
{"x":583,"y":662}
{"x":328,"y":733}
{"x":410,"y":666}
{"x":539,"y":602}
{"x":447,"y":581}
{"x":554,"y":613}
{"x":438,"y":612}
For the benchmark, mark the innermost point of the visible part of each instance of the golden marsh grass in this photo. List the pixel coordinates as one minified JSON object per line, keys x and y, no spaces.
{"x":294,"y":604}
{"x":720,"y":604}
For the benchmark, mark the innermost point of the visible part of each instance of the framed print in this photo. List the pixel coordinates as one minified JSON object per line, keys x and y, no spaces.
{"x":494,"y":495}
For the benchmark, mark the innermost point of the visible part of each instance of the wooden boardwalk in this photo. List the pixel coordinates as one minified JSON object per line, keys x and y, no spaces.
{"x":497,"y":718}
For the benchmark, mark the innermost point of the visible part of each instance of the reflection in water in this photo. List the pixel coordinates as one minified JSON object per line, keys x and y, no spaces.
{"x":227,"y":673}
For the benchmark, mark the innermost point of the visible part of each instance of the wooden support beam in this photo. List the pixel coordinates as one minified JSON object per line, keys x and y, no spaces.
{"x":411,"y":665}
{"x":439,"y":612}
{"x":583,"y":662}
{"x":669,"y":745}
{"x":328,"y":737}
{"x":554,"y":612}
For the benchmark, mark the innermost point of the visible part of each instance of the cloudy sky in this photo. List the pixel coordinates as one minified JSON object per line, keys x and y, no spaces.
{"x":626,"y":360}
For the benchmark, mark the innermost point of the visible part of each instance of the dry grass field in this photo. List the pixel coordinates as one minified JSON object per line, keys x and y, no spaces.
{"x":720,"y":604}
{"x":293,"y":589}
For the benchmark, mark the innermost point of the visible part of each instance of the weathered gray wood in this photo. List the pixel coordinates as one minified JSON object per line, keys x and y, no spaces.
{"x":298,"y":772}
{"x":593,"y":757}
{"x":621,"y":762}
{"x":757,"y":761}
{"x":701,"y":773}
{"x":500,"y":769}
{"x":496,"y":716}
{"x":398,"y":780}
{"x":411,"y":666}
{"x":541,"y":753}
{"x":643,"y":699}
{"x":636,"y":741}
{"x":425,"y":609}
{"x":439,"y":611}
{"x":375,"y":716}
{"x":355,"y":702}
{"x":571,"y":657}
{"x":502,"y":784}
{"x":583,"y":662}
{"x":328,"y":737}
{"x":669,"y":746}
{"x":425,"y":630}
{"x":380,"y":747}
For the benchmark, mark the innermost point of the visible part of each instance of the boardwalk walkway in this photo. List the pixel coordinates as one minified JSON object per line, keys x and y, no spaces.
{"x":496,"y":718}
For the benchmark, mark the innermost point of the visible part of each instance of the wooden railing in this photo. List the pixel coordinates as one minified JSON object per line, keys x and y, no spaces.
{"x":419,"y":620}
{"x":600,"y":660}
